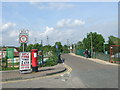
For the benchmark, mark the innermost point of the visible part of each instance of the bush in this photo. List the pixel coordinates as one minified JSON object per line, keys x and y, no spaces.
{"x":51,"y":61}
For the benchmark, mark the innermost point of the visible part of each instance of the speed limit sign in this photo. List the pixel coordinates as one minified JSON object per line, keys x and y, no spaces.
{"x":23,"y":38}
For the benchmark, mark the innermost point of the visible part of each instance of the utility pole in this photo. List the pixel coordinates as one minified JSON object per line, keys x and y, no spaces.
{"x":68,"y":45}
{"x":35,"y":40}
{"x":41,"y":42}
{"x":67,"y":42}
{"x":47,"y":40}
{"x":91,"y":44}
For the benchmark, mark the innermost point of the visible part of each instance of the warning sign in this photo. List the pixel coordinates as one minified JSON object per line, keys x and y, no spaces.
{"x":25,"y":61}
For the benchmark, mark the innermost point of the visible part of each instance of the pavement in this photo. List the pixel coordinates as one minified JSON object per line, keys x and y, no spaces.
{"x":96,"y":60}
{"x":13,"y":75}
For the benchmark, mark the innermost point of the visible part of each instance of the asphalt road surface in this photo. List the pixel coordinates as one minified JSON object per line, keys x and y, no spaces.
{"x":92,"y":74}
{"x":85,"y":74}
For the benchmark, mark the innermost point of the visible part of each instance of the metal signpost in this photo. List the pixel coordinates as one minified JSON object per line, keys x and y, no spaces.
{"x":25,"y":57}
{"x":25,"y":62}
{"x":23,"y":37}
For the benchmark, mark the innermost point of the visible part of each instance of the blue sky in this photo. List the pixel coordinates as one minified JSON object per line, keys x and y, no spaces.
{"x":58,"y":21}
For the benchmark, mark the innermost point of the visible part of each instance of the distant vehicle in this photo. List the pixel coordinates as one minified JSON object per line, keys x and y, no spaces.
{"x":117,"y":55}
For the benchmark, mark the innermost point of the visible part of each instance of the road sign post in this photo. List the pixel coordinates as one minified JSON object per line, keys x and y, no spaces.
{"x":25,"y":60}
{"x":23,"y":38}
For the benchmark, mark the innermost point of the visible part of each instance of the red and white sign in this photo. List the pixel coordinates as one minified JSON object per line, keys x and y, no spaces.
{"x":23,"y":38}
{"x":25,"y":61}
{"x":2,"y":54}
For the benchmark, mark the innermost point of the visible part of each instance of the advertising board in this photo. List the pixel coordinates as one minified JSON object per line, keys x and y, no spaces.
{"x":25,"y":61}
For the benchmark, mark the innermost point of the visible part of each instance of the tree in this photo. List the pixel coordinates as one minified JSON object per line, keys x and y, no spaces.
{"x":97,"y":41}
{"x":21,"y":47}
{"x":79,"y":45}
{"x":113,"y":40}
{"x":29,"y":47}
{"x":47,"y":48}
{"x":65,"y":49}
{"x":59,"y":45}
{"x":37,"y":46}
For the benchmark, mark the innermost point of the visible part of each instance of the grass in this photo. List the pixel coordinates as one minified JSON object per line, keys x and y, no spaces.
{"x":9,"y":68}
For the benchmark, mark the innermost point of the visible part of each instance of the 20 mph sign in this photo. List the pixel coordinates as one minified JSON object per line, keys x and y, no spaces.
{"x":23,"y":39}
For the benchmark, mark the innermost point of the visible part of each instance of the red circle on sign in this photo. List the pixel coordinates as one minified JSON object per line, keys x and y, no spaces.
{"x":23,"y":39}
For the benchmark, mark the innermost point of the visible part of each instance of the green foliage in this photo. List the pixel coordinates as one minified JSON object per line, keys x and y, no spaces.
{"x":37,"y":46}
{"x":97,"y":41}
{"x":10,"y":68}
{"x":113,"y":40}
{"x":79,"y":45}
{"x":4,"y":60}
{"x":47,"y":48}
{"x":29,"y":47}
{"x":65,"y":49}
{"x":59,"y":45}
{"x":21,"y":47}
{"x":51,"y":61}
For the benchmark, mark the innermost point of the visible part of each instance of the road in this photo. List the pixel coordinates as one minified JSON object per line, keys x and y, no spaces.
{"x":92,"y":74}
{"x":85,"y":74}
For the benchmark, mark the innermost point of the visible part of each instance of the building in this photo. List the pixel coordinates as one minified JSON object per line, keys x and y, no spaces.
{"x":3,"y":51}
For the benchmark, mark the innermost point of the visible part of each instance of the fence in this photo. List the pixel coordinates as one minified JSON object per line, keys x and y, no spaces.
{"x":10,"y":63}
{"x":99,"y":55}
{"x":102,"y":56}
{"x":80,"y":52}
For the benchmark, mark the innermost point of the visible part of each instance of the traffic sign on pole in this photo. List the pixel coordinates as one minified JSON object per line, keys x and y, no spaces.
{"x":23,"y":38}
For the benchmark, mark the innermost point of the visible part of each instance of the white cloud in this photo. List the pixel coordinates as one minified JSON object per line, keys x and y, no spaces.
{"x":70,"y":23}
{"x":49,"y":30}
{"x":9,"y":34}
{"x":6,"y":26}
{"x":13,"y":33}
{"x":68,"y":29}
{"x":51,"y":5}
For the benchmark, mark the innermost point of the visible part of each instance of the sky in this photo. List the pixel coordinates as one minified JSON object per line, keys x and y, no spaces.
{"x":57,"y":20}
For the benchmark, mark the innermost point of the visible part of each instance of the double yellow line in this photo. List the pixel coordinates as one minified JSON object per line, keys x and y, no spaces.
{"x":69,"y":69}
